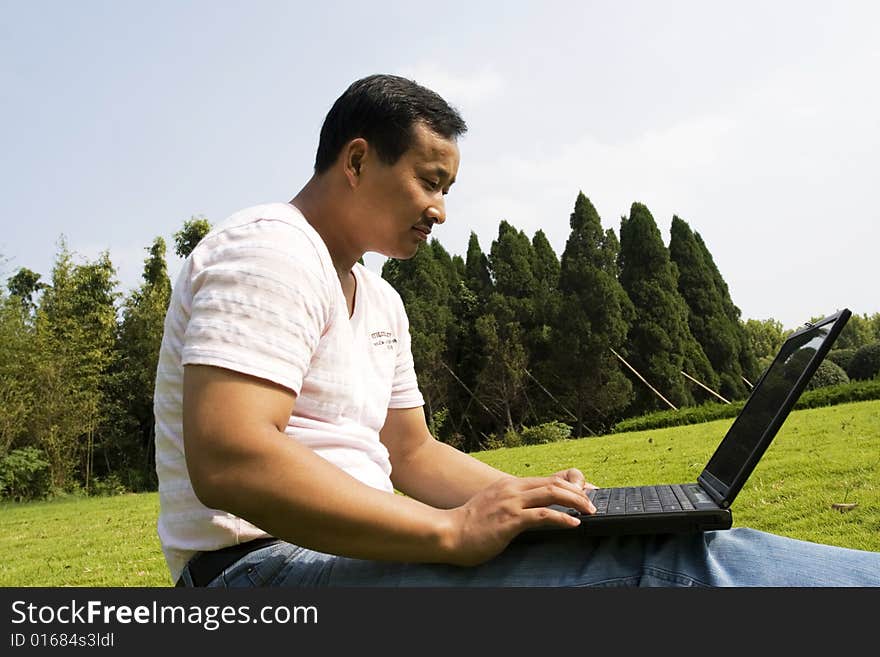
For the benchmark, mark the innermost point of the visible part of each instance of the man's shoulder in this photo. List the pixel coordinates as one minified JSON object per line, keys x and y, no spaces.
{"x":267,"y":215}
{"x":278,"y":227}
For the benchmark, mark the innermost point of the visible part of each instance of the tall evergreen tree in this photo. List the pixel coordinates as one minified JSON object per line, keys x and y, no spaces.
{"x":512,"y":309}
{"x":659,"y":343}
{"x":538,"y":331}
{"x":423,"y":285}
{"x":594,"y":317}
{"x":477,"y":276}
{"x":747,"y":358}
{"x":707,"y":319}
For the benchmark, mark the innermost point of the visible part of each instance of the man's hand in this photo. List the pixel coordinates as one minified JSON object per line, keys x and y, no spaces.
{"x":487,"y":523}
{"x":576,"y":477}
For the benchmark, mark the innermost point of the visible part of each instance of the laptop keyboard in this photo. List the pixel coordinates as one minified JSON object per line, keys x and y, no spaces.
{"x":648,"y":499}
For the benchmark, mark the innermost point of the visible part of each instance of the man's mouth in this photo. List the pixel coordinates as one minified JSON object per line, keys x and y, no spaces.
{"x":424,"y":230}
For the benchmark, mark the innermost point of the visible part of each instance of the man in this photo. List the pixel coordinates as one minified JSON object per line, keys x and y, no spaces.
{"x":288,"y":411}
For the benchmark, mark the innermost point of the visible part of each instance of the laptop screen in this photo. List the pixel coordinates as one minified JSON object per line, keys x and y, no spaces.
{"x":755,"y":426}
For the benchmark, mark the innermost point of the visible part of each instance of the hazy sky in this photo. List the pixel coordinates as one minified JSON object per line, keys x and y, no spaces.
{"x":758,"y":123}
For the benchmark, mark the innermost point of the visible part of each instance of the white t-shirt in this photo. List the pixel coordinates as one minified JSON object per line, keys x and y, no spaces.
{"x":259,"y":295}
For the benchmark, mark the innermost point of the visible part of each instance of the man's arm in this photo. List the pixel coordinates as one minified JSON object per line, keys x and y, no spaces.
{"x":434,"y":472}
{"x":241,"y":461}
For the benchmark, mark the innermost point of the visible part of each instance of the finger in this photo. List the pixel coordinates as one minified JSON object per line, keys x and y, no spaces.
{"x":543,"y":517}
{"x":557,"y":479}
{"x":573,"y":475}
{"x":555,"y":493}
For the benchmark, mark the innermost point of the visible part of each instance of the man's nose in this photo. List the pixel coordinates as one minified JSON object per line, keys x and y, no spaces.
{"x":437,"y":211}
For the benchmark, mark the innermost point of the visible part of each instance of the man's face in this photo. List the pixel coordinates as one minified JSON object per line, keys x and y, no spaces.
{"x":402,"y":202}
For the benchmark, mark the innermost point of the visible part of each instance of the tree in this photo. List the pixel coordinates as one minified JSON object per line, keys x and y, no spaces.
{"x":765,"y":337}
{"x":24,"y":285}
{"x":74,"y":333}
{"x":186,"y":239}
{"x":659,"y":343}
{"x":133,"y":378}
{"x":539,"y":329}
{"x":747,"y":358}
{"x":716,"y":332}
{"x":424,"y":286}
{"x":593,"y":320}
{"x":858,"y":332}
{"x":511,"y":306}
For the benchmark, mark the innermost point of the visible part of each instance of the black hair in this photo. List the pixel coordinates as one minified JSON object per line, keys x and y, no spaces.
{"x":383,"y":109}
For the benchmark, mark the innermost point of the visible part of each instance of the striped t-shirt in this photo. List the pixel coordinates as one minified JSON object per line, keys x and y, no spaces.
{"x":259,"y":295}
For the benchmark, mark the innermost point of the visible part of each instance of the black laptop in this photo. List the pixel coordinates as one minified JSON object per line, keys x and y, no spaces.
{"x":706,"y":504}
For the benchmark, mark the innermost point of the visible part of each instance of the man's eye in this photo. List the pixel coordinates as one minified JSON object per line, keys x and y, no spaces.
{"x":431,"y":184}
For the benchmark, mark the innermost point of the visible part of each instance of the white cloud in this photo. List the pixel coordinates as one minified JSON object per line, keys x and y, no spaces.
{"x":464,"y":91}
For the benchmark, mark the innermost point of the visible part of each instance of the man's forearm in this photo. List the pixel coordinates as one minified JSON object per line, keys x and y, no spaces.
{"x":294,"y":494}
{"x":442,"y":476}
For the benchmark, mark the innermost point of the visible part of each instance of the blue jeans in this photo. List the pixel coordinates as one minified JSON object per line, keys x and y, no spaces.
{"x":736,"y":557}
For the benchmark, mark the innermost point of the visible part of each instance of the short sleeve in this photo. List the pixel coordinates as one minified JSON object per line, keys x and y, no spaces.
{"x":260,"y":302}
{"x":405,"y":391}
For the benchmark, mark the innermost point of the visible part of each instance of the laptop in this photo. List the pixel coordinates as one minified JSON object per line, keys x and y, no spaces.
{"x":705,"y":504}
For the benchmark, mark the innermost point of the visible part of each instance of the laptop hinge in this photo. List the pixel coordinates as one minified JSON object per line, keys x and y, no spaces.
{"x":711,"y":485}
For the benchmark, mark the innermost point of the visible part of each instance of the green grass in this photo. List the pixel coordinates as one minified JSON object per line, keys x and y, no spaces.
{"x":820,"y":457}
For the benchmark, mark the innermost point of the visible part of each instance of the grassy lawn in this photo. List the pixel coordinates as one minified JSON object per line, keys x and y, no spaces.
{"x":821,"y":456}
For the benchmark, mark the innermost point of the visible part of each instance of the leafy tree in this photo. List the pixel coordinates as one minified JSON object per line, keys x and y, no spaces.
{"x":186,"y":239}
{"x":858,"y":332}
{"x":24,"y":285}
{"x":134,"y":375}
{"x":75,"y":328}
{"x":659,"y":343}
{"x":765,"y":337}
{"x":17,"y":354}
{"x":594,"y":317}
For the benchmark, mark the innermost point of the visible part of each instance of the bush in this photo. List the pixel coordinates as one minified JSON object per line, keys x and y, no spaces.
{"x":828,"y":374}
{"x":109,"y":485}
{"x":842,"y":357}
{"x":24,"y":475}
{"x":865,"y":362}
{"x":843,"y":393}
{"x":549,"y":432}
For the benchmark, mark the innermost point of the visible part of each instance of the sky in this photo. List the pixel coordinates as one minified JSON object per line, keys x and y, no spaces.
{"x":757,"y":123}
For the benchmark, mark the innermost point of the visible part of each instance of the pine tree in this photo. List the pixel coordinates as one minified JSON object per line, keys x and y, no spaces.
{"x":594,"y":317}
{"x":707,"y":319}
{"x":423,"y":285}
{"x":747,"y":359}
{"x":660,"y":345}
{"x":538,"y":331}
{"x":509,"y":313}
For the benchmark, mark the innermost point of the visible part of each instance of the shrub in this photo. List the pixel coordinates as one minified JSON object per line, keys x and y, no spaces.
{"x":24,"y":475}
{"x":865,"y":362}
{"x":109,"y":485}
{"x":843,"y":393}
{"x":842,"y":357}
{"x":828,"y":374}
{"x":549,"y":432}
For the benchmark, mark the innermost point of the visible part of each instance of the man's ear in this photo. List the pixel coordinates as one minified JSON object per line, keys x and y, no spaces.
{"x":355,"y":155}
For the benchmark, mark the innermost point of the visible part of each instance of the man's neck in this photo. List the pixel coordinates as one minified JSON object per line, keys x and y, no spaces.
{"x":316,"y":202}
